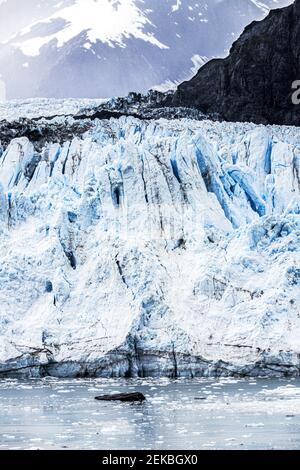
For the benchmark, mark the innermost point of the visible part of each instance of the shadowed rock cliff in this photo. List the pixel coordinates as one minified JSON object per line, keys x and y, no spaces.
{"x":254,"y":83}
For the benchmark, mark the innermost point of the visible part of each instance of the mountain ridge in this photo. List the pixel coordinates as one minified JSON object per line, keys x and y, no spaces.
{"x":254,"y":83}
{"x":67,"y":53}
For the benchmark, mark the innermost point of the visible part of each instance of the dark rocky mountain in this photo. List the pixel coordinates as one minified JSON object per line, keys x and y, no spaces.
{"x":254,"y":83}
{"x":105,"y":48}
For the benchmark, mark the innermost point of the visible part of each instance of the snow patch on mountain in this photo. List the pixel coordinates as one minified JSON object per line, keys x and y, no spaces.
{"x":198,"y":62}
{"x":261,"y":5}
{"x":176,"y":6}
{"x":107,"y":21}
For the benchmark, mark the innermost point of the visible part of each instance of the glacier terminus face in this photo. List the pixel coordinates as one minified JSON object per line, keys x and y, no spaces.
{"x":151,"y":248}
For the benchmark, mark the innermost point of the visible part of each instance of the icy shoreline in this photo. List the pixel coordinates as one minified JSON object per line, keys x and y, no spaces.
{"x":153,"y":365}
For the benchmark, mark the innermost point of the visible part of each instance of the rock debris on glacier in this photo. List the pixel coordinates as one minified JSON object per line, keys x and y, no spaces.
{"x":146,"y":248}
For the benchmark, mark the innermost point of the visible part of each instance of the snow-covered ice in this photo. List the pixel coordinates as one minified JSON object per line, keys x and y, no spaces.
{"x":151,"y":248}
{"x":44,"y":107}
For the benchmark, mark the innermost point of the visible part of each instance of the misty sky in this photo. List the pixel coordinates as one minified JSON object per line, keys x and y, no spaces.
{"x":16,"y":14}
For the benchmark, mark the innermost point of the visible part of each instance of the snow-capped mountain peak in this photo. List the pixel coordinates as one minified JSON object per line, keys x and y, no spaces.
{"x":109,"y":21}
{"x":105,"y":48}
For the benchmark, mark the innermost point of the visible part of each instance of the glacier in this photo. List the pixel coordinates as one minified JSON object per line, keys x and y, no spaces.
{"x":151,"y":248}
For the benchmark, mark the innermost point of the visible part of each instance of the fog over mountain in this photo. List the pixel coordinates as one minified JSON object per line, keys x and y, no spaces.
{"x":101,"y":48}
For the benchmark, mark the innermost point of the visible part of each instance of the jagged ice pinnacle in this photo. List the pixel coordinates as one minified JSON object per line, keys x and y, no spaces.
{"x":147,"y":248}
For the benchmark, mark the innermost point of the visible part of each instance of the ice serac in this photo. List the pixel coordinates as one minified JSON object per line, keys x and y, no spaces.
{"x":147,"y":248}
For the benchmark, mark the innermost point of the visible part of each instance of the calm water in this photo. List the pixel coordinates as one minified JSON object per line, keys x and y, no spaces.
{"x":182,"y":414}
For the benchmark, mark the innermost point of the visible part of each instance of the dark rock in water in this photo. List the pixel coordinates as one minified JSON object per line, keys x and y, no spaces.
{"x":257,"y":80}
{"x":129,"y":397}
